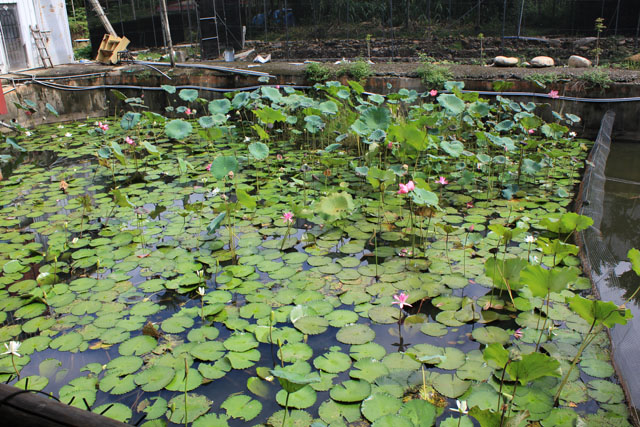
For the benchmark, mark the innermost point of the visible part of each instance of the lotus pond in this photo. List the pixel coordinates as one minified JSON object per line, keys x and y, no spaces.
{"x":326,"y":258}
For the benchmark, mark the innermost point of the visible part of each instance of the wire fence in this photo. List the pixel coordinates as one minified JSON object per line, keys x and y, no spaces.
{"x":139,"y":20}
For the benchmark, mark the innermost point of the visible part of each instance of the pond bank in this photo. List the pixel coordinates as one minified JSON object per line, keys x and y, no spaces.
{"x":75,"y":103}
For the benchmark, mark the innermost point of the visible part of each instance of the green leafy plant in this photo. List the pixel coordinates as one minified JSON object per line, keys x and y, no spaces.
{"x":359,"y":70}
{"x":316,"y":72}
{"x":600,"y":27}
{"x":433,"y":76}
{"x":596,"y":79}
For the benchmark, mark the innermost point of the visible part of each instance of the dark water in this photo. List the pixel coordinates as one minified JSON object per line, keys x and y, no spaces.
{"x":621,"y":216}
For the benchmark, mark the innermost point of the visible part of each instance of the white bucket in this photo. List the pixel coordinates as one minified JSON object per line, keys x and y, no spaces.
{"x":229,"y":55}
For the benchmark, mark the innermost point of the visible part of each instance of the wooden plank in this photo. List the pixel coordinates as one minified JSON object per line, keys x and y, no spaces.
{"x":28,"y":409}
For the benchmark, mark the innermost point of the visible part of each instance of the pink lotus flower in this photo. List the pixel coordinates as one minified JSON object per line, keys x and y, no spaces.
{"x":532,"y":131}
{"x":411,"y":186}
{"x":208,"y":167}
{"x":471,"y":228}
{"x":401,"y":300}
{"x":403,"y":189}
{"x":287,"y":217}
{"x":469,"y":205}
{"x":442,"y":180}
{"x":188,"y":111}
{"x":554,"y":94}
{"x":390,"y":145}
{"x":433,"y":92}
{"x":518,"y":333}
{"x":129,"y":141}
{"x":103,"y":126}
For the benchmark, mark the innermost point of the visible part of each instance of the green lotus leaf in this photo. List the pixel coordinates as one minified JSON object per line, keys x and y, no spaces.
{"x":178,"y":129}
{"x":605,"y":391}
{"x":154,"y":378}
{"x":293,"y":381}
{"x":203,"y":334}
{"x":355,"y":334}
{"x":80,"y":392}
{"x":295,"y":418}
{"x":332,"y":412}
{"x":243,"y":360}
{"x":196,"y":405}
{"x":537,"y":401}
{"x":450,"y":385}
{"x":67,"y":342}
{"x":490,"y":335}
{"x":351,"y":391}
{"x":292,"y":352}
{"x":208,"y":351}
{"x":176,"y":324}
{"x":597,"y":368}
{"x":380,"y":404}
{"x":240,"y":342}
{"x":222,"y":165}
{"x":32,"y":382}
{"x":258,"y":150}
{"x":533,"y":366}
{"x":332,"y":362}
{"x":124,"y":365}
{"x":242,"y":406}
{"x":301,"y":399}
{"x":311,"y":325}
{"x":368,"y":369}
{"x":212,"y":420}
{"x":189,"y":95}
{"x":117,"y":411}
{"x":335,"y":205}
{"x":219,"y":106}
{"x":115,"y":384}
{"x":130,"y":120}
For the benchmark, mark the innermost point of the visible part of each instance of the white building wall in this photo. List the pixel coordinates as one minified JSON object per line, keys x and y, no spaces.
{"x":47,"y":15}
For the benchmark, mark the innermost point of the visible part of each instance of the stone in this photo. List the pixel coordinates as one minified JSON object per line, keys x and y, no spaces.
{"x":584,"y":42}
{"x":505,"y":61}
{"x":180,"y":56}
{"x":542,"y":62}
{"x":576,"y":61}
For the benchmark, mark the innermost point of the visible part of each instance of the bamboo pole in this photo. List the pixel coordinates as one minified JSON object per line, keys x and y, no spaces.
{"x":167,"y":31}
{"x":103,"y":17}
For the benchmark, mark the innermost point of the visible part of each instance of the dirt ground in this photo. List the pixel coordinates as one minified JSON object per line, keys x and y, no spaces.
{"x":462,"y":55}
{"x":400,"y":57}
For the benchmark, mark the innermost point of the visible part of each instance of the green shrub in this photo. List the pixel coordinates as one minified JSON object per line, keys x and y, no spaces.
{"x":544,"y":79}
{"x":596,"y":78}
{"x":317,"y":73}
{"x":433,"y":76}
{"x":83,"y":52}
{"x":358,"y":70}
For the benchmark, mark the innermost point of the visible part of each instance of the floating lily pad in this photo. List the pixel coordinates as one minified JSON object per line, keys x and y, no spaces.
{"x":196,"y":405}
{"x":351,"y":391}
{"x":117,"y":411}
{"x":242,"y":406}
{"x":154,"y":378}
{"x":490,"y":335}
{"x":355,"y":334}
{"x":333,"y":362}
{"x":378,"y":405}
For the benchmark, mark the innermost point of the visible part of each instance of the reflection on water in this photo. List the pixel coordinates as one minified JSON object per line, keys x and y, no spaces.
{"x":621,"y":212}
